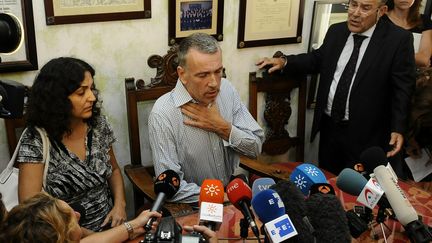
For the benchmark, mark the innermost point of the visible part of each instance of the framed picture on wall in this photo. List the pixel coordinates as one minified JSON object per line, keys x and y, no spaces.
{"x":70,"y":11}
{"x":24,"y":57}
{"x":270,"y":22}
{"x":190,"y":16}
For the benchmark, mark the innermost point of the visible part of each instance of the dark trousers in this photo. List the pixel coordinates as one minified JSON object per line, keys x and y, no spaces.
{"x":339,"y":148}
{"x":335,"y":146}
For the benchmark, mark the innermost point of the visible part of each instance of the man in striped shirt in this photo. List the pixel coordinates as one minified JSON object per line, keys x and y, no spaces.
{"x":201,"y":126}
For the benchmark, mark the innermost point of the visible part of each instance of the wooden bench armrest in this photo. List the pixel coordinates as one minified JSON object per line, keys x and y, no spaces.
{"x":264,"y":169}
{"x":141,"y":178}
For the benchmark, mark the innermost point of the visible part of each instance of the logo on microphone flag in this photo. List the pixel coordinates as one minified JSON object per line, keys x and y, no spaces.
{"x":280,"y":229}
{"x":211,"y":212}
{"x":371,"y":194}
{"x":212,"y":189}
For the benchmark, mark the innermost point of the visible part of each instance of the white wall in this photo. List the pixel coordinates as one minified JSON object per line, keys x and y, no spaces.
{"x":119,"y":49}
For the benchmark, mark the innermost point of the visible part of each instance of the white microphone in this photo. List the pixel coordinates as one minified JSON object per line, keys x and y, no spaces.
{"x":403,"y":209}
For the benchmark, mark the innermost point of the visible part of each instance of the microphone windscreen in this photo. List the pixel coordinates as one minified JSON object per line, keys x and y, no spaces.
{"x":324,"y":188}
{"x":211,"y":191}
{"x":305,"y":175}
{"x":328,"y":218}
{"x":237,"y":191}
{"x":373,"y":157}
{"x":261,"y":184}
{"x":351,"y":182}
{"x":167,"y":182}
{"x":268,"y":205}
{"x":295,"y":208}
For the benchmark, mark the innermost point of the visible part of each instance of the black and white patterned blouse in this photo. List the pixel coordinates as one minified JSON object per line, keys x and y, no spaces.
{"x":73,"y":180}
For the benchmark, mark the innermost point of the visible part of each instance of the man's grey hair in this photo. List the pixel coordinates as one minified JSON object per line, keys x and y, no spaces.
{"x":201,"y":42}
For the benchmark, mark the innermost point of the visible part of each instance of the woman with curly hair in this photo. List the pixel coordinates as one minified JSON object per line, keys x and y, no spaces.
{"x":44,"y":219}
{"x":406,"y":14}
{"x":82,"y":168}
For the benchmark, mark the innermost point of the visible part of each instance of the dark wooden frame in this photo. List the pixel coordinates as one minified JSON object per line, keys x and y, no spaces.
{"x":241,"y":43}
{"x":51,"y":19}
{"x":172,"y":20}
{"x":31,"y":62}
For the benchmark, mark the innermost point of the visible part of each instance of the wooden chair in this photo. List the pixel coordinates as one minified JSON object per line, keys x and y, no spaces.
{"x":136,"y":91}
{"x":277,"y":88}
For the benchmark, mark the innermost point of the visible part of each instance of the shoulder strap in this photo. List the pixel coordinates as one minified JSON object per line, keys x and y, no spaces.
{"x":46,"y":152}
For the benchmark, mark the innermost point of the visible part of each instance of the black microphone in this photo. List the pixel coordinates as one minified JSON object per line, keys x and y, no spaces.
{"x":371,"y":158}
{"x":328,"y":218}
{"x":165,"y":186}
{"x":295,"y":207}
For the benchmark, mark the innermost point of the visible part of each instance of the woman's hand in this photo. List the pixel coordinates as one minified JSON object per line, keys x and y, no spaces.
{"x":116,"y":216}
{"x":142,"y":219}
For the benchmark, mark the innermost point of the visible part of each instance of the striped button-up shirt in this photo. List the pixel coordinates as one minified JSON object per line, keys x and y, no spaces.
{"x":196,"y":154}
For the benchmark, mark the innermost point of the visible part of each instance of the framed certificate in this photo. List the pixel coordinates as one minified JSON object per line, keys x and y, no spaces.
{"x":72,"y":11}
{"x":270,"y":22}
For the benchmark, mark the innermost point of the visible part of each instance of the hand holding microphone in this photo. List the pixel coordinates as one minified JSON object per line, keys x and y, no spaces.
{"x":165,"y":186}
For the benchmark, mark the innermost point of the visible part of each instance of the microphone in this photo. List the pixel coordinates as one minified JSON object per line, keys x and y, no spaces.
{"x":324,"y":188}
{"x":294,"y":200}
{"x":405,"y":213}
{"x":211,"y":203}
{"x":305,"y":175}
{"x":240,"y":195}
{"x":270,"y":209}
{"x":165,"y":186}
{"x":328,"y":218}
{"x":368,"y":193}
{"x":403,"y":209}
{"x":243,"y":177}
{"x":261,"y":184}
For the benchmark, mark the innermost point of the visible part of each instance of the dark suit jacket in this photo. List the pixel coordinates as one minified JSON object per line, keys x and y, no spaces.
{"x":385,"y":80}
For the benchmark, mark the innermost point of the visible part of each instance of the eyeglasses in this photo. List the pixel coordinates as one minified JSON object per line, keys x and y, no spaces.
{"x":364,"y":10}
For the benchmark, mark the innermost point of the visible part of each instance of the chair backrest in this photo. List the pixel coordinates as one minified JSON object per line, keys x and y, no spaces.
{"x":137,"y":91}
{"x":14,"y":128}
{"x":277,"y":88}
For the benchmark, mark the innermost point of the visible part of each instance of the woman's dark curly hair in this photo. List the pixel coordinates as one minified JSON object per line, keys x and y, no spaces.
{"x":414,"y":12}
{"x":48,"y":105}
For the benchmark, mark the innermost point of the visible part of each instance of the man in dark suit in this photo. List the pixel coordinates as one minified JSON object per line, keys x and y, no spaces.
{"x":367,"y":76}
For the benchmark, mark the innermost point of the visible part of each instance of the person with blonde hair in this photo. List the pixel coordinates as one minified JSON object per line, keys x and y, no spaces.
{"x":44,"y":219}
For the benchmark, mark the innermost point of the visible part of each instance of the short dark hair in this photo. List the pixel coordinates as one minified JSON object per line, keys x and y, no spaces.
{"x":48,"y":105}
{"x":200,"y":41}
